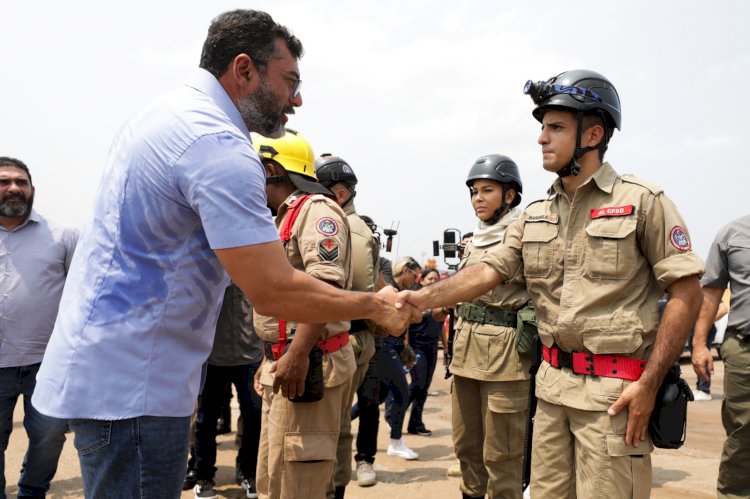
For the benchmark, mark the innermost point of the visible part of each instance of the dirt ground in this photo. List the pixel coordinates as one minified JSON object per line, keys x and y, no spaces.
{"x":689,"y":472}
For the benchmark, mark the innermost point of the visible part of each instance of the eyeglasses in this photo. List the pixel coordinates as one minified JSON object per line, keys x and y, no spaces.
{"x":296,"y":89}
{"x":414,"y":273}
{"x":295,"y":84}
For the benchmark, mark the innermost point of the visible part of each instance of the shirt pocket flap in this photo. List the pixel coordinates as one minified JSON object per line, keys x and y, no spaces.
{"x":539,"y":232}
{"x":310,"y":446}
{"x":616,"y":447}
{"x":612,"y":228}
{"x":611,"y":342}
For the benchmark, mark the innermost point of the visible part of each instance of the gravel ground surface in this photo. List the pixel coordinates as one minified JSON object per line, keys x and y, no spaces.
{"x":689,"y":472}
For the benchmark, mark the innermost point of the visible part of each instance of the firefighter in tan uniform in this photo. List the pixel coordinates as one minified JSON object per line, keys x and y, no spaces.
{"x":596,"y":254}
{"x":490,"y":384}
{"x":298,"y":438}
{"x":335,"y":174}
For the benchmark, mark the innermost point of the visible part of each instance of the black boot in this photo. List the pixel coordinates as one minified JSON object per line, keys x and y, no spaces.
{"x":339,"y":492}
{"x":465,"y":496}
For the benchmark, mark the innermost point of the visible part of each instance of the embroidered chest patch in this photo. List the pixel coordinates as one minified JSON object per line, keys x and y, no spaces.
{"x":328,"y":250}
{"x":679,"y":238}
{"x":612,"y":211}
{"x":547,"y":217}
{"x":327,"y":226}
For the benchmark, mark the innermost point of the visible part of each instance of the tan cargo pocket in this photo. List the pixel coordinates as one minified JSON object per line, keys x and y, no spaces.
{"x":538,"y":247}
{"x":610,"y":248}
{"x":612,"y":342}
{"x":310,"y":446}
{"x":512,"y":398}
{"x":547,"y":375}
{"x":490,"y":347}
{"x":616,"y":447}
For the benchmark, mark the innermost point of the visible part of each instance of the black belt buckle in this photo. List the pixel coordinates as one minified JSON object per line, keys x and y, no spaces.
{"x":564,"y":359}
{"x":741,"y":336}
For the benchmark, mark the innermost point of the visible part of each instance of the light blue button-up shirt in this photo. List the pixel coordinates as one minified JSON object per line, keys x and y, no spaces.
{"x":34,"y":260}
{"x":139,"y":309}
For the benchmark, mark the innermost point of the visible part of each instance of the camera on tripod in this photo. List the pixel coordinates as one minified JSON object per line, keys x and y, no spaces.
{"x":452,"y":250}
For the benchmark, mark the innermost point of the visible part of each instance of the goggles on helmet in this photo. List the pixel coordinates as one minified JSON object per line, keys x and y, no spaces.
{"x":541,"y":90}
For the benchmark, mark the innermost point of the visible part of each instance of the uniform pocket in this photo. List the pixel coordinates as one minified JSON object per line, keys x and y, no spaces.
{"x":547,"y":375}
{"x":487,"y":349}
{"x":91,"y":435}
{"x":611,"y":342}
{"x":310,"y":446}
{"x":616,"y":447}
{"x":538,"y":248}
{"x":610,"y":248}
{"x":512,"y":398}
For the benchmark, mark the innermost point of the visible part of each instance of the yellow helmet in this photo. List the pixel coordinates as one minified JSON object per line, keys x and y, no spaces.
{"x":291,"y":151}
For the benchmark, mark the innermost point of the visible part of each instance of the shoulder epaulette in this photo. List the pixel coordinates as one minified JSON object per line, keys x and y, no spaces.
{"x":632,"y":179}
{"x":534,"y":202}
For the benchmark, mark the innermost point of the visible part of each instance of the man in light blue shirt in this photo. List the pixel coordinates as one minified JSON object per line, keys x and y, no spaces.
{"x":35,"y":255}
{"x":181,"y":201}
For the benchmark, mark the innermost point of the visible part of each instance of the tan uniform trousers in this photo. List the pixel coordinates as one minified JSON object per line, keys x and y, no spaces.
{"x":734,"y":470}
{"x":363,"y":344}
{"x":488,"y":432}
{"x":298,"y":444}
{"x":583,"y":454}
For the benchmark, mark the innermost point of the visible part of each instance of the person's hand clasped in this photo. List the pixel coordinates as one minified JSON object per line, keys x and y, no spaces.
{"x":289,"y":373}
{"x":396,"y":318}
{"x":640,"y":402}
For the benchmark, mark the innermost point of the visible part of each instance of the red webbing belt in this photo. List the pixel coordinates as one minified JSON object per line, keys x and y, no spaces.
{"x":285,"y":234}
{"x":329,"y":345}
{"x":610,"y":366}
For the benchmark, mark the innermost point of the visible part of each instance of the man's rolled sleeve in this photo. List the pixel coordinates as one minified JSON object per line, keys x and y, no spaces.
{"x":506,"y":258}
{"x":676,"y":267}
{"x":666,"y":244}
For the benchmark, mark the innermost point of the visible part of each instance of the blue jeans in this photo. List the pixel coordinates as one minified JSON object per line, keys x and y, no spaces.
{"x":46,"y":434}
{"x":394,"y":389}
{"x":136,"y":458}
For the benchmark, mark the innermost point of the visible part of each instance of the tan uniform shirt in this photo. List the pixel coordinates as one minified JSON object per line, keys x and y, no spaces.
{"x":487,"y":352}
{"x":365,"y":252}
{"x":365,"y":269}
{"x":595,"y":268}
{"x":319,"y":246}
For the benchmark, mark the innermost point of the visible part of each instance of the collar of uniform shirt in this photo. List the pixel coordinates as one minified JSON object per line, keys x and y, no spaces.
{"x":604,"y":178}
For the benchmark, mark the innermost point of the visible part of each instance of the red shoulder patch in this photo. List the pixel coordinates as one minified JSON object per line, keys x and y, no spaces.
{"x":679,"y":238}
{"x":327,"y":226}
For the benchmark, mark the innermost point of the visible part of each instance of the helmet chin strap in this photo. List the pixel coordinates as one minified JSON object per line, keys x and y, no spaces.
{"x":278,"y":179}
{"x":350,"y":199}
{"x":498,"y":212}
{"x":574,"y":168}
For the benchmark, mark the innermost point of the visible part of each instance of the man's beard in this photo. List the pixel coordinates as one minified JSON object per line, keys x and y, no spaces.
{"x":15,"y":206}
{"x":262,"y":113}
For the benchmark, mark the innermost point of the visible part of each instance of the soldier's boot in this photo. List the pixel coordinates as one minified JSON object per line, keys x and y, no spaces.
{"x":339,"y":492}
{"x":466,"y":496}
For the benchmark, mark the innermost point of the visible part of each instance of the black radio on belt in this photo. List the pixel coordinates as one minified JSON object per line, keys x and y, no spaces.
{"x":314,"y":382}
{"x":668,"y":422}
